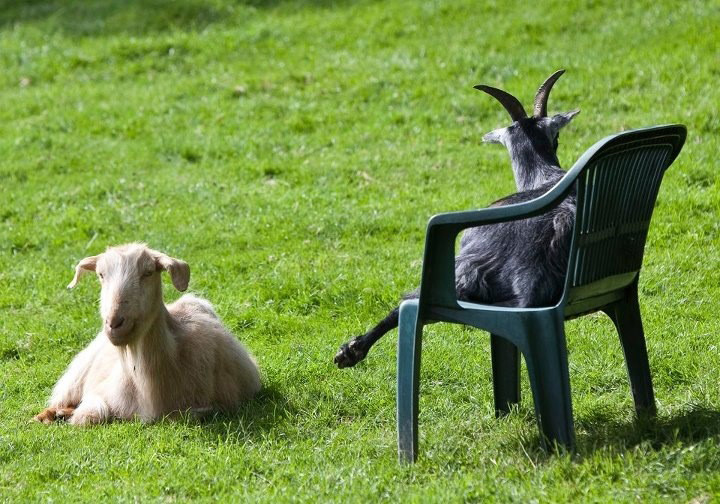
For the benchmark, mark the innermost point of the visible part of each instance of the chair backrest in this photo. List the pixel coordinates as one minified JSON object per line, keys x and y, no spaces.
{"x":616,"y":193}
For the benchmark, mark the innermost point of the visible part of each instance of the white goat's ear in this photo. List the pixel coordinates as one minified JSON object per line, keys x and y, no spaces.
{"x":179,"y":270}
{"x":495,"y":136}
{"x":87,"y":264}
{"x":559,"y":120}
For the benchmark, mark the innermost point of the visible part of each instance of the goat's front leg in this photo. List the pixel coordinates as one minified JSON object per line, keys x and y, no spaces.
{"x":356,"y":349}
{"x":92,"y":410}
{"x":67,"y":392}
{"x":114,"y":397}
{"x":49,"y":415}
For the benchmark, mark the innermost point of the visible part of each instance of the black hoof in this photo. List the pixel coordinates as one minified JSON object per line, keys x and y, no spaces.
{"x":349,"y":354}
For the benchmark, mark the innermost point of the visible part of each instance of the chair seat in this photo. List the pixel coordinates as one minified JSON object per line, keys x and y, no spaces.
{"x":500,"y":320}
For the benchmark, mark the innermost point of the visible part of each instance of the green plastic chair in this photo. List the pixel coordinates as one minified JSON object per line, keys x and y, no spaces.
{"x":617,"y":182}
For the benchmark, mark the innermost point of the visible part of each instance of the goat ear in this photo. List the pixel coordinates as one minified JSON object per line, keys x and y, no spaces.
{"x":559,"y":120}
{"x":87,"y":264}
{"x":179,"y":270}
{"x":495,"y":136}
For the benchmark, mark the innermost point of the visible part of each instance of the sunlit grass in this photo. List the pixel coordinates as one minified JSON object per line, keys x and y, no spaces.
{"x":292,"y":153}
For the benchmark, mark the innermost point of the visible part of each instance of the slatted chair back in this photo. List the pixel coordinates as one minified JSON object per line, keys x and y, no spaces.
{"x":616,"y":194}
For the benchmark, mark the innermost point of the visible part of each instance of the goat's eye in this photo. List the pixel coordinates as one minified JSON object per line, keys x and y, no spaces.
{"x":101,"y":276}
{"x":147,"y":274}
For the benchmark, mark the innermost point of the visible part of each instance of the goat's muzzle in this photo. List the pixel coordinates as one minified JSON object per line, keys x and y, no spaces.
{"x":117,"y":328}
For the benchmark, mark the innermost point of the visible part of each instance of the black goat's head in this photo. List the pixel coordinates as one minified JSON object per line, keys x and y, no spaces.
{"x":540,"y":131}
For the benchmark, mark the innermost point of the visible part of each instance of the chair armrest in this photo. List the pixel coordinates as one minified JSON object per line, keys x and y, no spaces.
{"x":494,"y":215}
{"x":437,"y":286}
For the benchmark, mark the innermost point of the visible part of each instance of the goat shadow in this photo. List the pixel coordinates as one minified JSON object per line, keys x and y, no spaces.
{"x":251,"y":420}
{"x":603,"y":430}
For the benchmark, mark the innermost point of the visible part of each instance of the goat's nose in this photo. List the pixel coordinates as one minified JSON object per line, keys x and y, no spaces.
{"x":116,"y":322}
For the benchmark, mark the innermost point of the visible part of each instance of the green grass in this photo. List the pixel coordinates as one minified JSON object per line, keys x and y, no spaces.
{"x":292,"y":152}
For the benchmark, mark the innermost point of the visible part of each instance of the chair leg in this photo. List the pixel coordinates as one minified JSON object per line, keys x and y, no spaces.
{"x":506,"y":374}
{"x":408,"y":380}
{"x":547,"y":366}
{"x":626,"y":316}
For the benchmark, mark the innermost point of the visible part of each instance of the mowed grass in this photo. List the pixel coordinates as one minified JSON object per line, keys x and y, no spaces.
{"x":292,"y":152}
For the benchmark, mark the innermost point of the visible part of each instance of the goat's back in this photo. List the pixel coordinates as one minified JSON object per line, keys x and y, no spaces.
{"x":517,"y":263}
{"x":213,"y":362}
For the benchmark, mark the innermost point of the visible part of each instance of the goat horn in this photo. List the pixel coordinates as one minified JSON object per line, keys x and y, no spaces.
{"x":541,"y":97}
{"x":511,"y":104}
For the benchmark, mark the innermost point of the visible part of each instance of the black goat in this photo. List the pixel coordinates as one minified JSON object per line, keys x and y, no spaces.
{"x":520,"y":263}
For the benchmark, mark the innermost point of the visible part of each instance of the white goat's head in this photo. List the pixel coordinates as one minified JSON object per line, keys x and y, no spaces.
{"x":538,"y":132}
{"x":131,"y":288}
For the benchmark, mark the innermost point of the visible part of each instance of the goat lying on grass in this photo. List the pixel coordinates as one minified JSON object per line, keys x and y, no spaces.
{"x":520,"y":263}
{"x":150,"y":359}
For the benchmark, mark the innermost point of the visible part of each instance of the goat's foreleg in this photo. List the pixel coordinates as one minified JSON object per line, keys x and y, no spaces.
{"x":356,"y":349}
{"x":92,"y":410}
{"x":49,"y":415}
{"x":67,"y":392}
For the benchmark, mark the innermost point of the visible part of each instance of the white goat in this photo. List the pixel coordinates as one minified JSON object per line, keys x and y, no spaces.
{"x":150,"y":359}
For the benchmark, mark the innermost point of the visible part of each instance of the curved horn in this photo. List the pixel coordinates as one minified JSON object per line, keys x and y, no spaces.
{"x":511,"y":104}
{"x":541,"y":97}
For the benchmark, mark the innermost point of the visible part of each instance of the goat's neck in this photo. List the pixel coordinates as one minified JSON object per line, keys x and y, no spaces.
{"x":151,"y":357}
{"x":533,"y":169}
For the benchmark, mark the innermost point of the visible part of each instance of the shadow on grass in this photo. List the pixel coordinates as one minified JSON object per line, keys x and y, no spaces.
{"x":603,"y":431}
{"x":137,"y":17}
{"x":252,"y":420}
{"x":691,"y":426}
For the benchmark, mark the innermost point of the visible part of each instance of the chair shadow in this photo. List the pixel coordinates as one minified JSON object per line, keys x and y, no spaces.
{"x":690,"y":426}
{"x":603,"y":431}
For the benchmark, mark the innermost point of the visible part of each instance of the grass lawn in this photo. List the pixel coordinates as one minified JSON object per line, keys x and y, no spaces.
{"x":292,"y":152}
